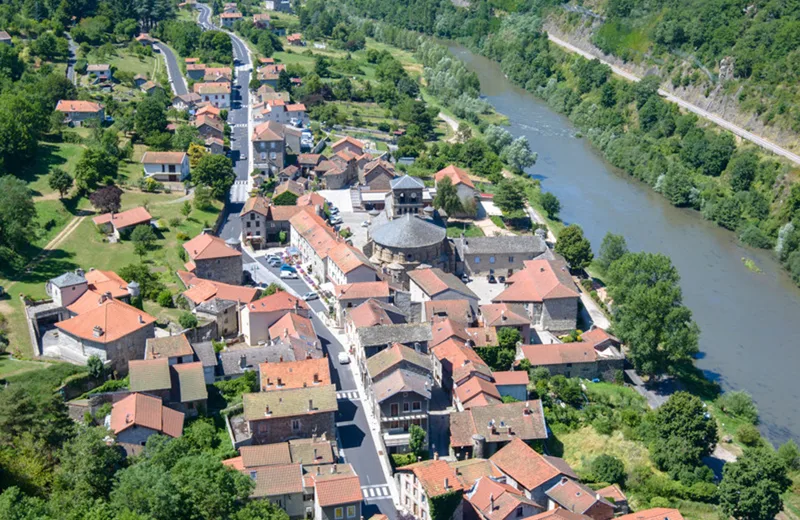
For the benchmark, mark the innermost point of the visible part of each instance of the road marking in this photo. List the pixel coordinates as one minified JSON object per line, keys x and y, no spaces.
{"x":376,"y":492}
{"x":348,"y":394}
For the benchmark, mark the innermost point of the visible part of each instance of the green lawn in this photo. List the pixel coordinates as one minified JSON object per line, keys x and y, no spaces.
{"x":123,"y":60}
{"x":455,"y":229}
{"x":49,"y":156}
{"x":10,"y":366}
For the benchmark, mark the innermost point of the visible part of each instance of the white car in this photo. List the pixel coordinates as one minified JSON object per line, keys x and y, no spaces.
{"x":344,"y":359}
{"x":310,"y":296}
{"x":288,"y":274}
{"x":365,"y":223}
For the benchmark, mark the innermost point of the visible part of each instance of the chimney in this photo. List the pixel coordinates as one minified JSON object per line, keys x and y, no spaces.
{"x":128,"y":419}
{"x":316,"y":378}
{"x":541,"y":269}
{"x":141,"y":319}
{"x":310,"y":405}
{"x":267,"y":413}
{"x":315,"y":454}
{"x":280,"y":382}
{"x":435,"y":455}
{"x":333,"y":468}
{"x":446,"y":483}
{"x":527,"y":410}
{"x":285,"y":332}
{"x":491,"y":502}
{"x":243,"y":363}
{"x":80,"y":272}
{"x":97,"y":331}
{"x":319,"y":471}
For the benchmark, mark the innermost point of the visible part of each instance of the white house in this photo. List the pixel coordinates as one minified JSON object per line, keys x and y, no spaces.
{"x":347,"y":264}
{"x":166,"y":166}
{"x":217,"y":93}
{"x":284,"y":113}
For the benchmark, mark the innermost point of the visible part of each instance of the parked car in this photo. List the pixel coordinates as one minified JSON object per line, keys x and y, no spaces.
{"x":291,"y":275}
{"x":501,"y":279}
{"x":365,"y":223}
{"x":272,"y":257}
{"x":344,"y":359}
{"x":310,"y":296}
{"x":274,"y":263}
{"x":490,"y":278}
{"x":465,"y":278}
{"x":287,"y":267}
{"x":336,"y":220}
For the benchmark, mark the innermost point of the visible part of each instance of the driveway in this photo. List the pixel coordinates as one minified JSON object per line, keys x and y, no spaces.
{"x":339,"y":198}
{"x":485,"y":290}
{"x":490,"y":229}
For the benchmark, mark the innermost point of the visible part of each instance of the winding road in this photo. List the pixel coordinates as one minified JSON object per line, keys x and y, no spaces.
{"x":741,"y":132}
{"x":176,"y":78}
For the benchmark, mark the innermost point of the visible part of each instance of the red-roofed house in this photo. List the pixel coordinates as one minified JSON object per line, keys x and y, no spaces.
{"x":433,"y":284}
{"x":166,"y":166}
{"x":492,"y":500}
{"x":656,"y":513}
{"x":354,"y":146}
{"x":269,"y":146}
{"x":138,"y":416}
{"x":506,"y":315}
{"x":578,"y":498}
{"x":351,"y":295}
{"x":498,"y":425}
{"x":422,"y":481}
{"x":546,"y":290}
{"x":337,"y":497}
{"x":312,"y":236}
{"x":293,"y":325}
{"x":76,"y":112}
{"x":294,"y":374}
{"x":215,"y":259}
{"x":530,"y":472}
{"x":262,"y":222}
{"x":475,"y":391}
{"x":595,"y":356}
{"x":347,"y":264}
{"x":120,"y":224}
{"x":512,"y":383}
{"x":460,"y":179}
{"x":258,"y":316}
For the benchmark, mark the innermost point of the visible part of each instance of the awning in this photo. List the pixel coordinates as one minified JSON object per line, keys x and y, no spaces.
{"x":405,"y":417}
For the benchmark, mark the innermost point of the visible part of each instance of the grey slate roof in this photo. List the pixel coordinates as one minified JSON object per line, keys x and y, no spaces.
{"x":406,"y":333}
{"x":407,"y":182}
{"x":286,"y":349}
{"x":204,"y":352}
{"x":527,"y":244}
{"x":402,"y":381}
{"x":68,"y":279}
{"x":409,"y":232}
{"x":215,"y":306}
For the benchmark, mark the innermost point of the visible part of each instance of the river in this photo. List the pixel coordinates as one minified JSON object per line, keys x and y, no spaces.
{"x":748,"y":340}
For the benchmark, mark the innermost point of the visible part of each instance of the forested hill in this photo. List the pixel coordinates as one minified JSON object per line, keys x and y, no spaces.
{"x":690,"y":162}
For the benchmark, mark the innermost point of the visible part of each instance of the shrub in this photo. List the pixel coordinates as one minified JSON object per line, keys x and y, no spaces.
{"x":659,"y":502}
{"x":165,"y":299}
{"x":175,"y":221}
{"x":587,"y":284}
{"x":754,"y":237}
{"x":739,"y":404}
{"x":748,"y":435}
{"x":182,"y":236}
{"x":603,"y":425}
{"x":188,"y":320}
{"x":403,"y":459}
{"x":607,"y":468}
{"x":790,"y":455}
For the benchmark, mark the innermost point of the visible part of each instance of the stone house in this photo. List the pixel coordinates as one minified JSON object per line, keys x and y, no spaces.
{"x":354,"y":146}
{"x":457,"y":310}
{"x":212,"y":258}
{"x":505,"y":315}
{"x":402,"y":399}
{"x":76,"y":112}
{"x":175,"y":349}
{"x":530,"y":472}
{"x":186,"y":101}
{"x":371,"y":340}
{"x":546,"y":290}
{"x":217,"y":74}
{"x":150,"y":87}
{"x":371,"y":313}
{"x":209,"y":126}
{"x":121,"y":224}
{"x":501,"y":255}
{"x":262,"y":223}
{"x":496,"y":426}
{"x":351,"y":295}
{"x":136,"y":417}
{"x":195,"y":71}
{"x":512,"y":383}
{"x":166,"y":166}
{"x":436,"y":285}
{"x":200,"y":291}
{"x":615,"y":495}
{"x":215,"y":145}
{"x":475,"y":391}
{"x":298,"y":413}
{"x":261,"y":20}
{"x":454,"y":361}
{"x":181,"y":385}
{"x":577,"y":498}
{"x":460,"y":179}
{"x":283,"y":6}
{"x":337,"y":497}
{"x":489,"y":499}
{"x":216,"y":93}
{"x":377,"y":175}
{"x":224,"y":313}
{"x":597,"y":354}
{"x":258,"y":316}
{"x":269,"y":147}
{"x":101,"y":71}
{"x":347,"y":265}
{"x":228,"y":19}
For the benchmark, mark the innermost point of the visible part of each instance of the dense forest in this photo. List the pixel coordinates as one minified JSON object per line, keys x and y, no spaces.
{"x":688,"y":161}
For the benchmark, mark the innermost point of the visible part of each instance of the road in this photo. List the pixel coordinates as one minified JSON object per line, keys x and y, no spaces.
{"x":173,"y":69}
{"x":355,"y":441}
{"x":73,"y":56}
{"x":741,"y":132}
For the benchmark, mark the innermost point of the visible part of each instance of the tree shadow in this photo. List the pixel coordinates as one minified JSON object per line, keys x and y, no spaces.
{"x":45,"y":160}
{"x":56,"y":263}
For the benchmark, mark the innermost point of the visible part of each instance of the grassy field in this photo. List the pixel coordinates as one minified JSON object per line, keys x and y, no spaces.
{"x":10,"y":366}
{"x":455,"y":229}
{"x":124,"y":60}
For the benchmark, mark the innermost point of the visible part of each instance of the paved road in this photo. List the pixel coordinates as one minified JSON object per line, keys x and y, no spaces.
{"x":173,"y":69}
{"x":356,"y":443}
{"x":73,"y":56}
{"x":741,"y":132}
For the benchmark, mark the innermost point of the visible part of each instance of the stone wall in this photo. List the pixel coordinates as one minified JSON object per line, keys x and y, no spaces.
{"x":118,"y":352}
{"x":560,"y":315}
{"x":279,"y":429}
{"x":225,"y":270}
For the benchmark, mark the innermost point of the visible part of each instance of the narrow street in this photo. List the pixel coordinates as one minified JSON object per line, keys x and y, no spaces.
{"x":176,"y":79}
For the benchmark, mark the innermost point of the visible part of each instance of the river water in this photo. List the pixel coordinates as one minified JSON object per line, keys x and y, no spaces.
{"x":748,"y":336}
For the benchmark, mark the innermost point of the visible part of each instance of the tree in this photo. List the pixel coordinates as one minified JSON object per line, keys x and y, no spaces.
{"x":60,"y":181}
{"x":188,"y":320}
{"x":95,"y":366}
{"x":216,"y":172}
{"x":447,"y":197}
{"x":752,"y":486}
{"x":789,"y":453}
{"x":186,"y":208}
{"x":497,"y":138}
{"x":202,"y":198}
{"x":143,"y":239}
{"x":284,"y":82}
{"x":509,"y":196}
{"x":550,"y":204}
{"x":17,"y":213}
{"x":107,"y":199}
{"x":508,"y":337}
{"x":607,"y":468}
{"x":518,"y":154}
{"x":574,"y":247}
{"x":416,"y":442}
{"x":649,"y":315}
{"x":743,"y":169}
{"x":681,"y":434}
{"x":196,"y":152}
{"x":149,"y":284}
{"x":151,"y":116}
{"x":739,"y":404}
{"x":207,"y":488}
{"x":260,"y":510}
{"x":184,"y":136}
{"x":87,"y":465}
{"x":612,"y":248}
{"x":94,"y":166}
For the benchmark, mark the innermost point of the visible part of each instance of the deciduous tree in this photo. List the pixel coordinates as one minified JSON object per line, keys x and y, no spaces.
{"x":612,"y":248}
{"x":574,"y":247}
{"x":216,"y":172}
{"x":107,"y":199}
{"x":60,"y":181}
{"x":752,"y":486}
{"x":447,"y":197}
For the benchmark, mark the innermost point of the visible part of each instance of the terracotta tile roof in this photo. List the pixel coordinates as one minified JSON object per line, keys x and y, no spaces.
{"x":445,"y":329}
{"x":470,"y":470}
{"x":268,"y":131}
{"x":294,"y":374}
{"x":259,"y":204}
{"x":476,"y":391}
{"x":559,"y":353}
{"x":432,"y":474}
{"x":277,"y":480}
{"x":191,"y":381}
{"x":213,"y":87}
{"x":348,"y":139}
{"x":195,"y":66}
{"x":167,"y":347}
{"x":234,"y":463}
{"x":387,"y":359}
{"x":78,"y":106}
{"x":481,"y":336}
{"x":291,"y":186}
{"x":163,"y":157}
{"x":434,"y":281}
{"x":457,"y":310}
{"x":265,"y":455}
{"x":146,"y":411}
{"x":525,"y":425}
{"x":309,"y":159}
{"x":599,"y":337}
{"x":311,"y":199}
{"x":346,"y":155}
{"x":87,"y":301}
{"x":312,"y":451}
{"x":456,"y":176}
{"x":402,"y":381}
{"x":98,"y":67}
{"x":107,"y":281}
{"x":208,"y":109}
{"x":107,"y":322}
{"x":148,"y":375}
{"x":259,"y":17}
{"x":285,"y":213}
{"x":458,"y":354}
{"x":336,"y":490}
{"x":540,"y":280}
{"x":315,"y":231}
{"x":202,"y":290}
{"x":292,"y":324}
{"x":212,"y":72}
{"x":296,"y":107}
{"x":144,"y":37}
{"x":559,"y":514}
{"x":215,"y":140}
{"x":496,"y":500}
{"x":515,"y":377}
{"x":656,"y":513}
{"x":521,"y":462}
{"x":209,"y":120}
{"x":613,"y":493}
{"x":206,"y":246}
{"x":131,"y":217}
{"x":348,"y":258}
{"x":327,"y":471}
{"x":231,"y":15}
{"x":289,"y":403}
{"x":361,"y":290}
{"x":280,"y":301}
{"x":373,"y":312}
{"x":295,"y":37}
{"x":576,"y":497}
{"x":503,"y":314}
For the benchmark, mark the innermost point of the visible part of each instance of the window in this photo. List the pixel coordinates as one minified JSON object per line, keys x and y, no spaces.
{"x":519,"y":512}
{"x":262,"y":427}
{"x":569,"y":365}
{"x":410,"y":258}
{"x":491,"y":259}
{"x":511,"y":259}
{"x":252,"y":216}
{"x":477,"y":259}
{"x":295,"y":424}
{"x":258,"y":223}
{"x":351,"y":511}
{"x":405,"y":407}
{"x":248,"y":224}
{"x":395,"y":410}
{"x":416,"y":406}
{"x":273,"y":155}
{"x":338,"y":513}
